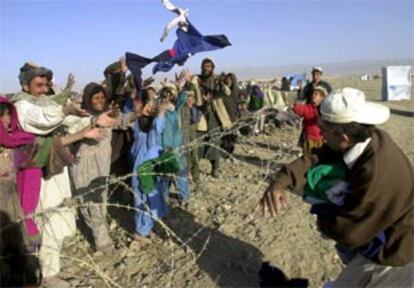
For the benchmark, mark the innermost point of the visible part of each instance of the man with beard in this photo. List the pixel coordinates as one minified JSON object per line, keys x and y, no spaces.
{"x":212,"y":88}
{"x":41,"y":115}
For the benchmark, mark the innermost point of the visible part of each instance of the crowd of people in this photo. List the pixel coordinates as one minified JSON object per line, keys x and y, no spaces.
{"x":57,"y":145}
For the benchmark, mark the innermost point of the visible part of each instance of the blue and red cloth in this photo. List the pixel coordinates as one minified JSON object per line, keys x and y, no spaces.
{"x":188,"y":43}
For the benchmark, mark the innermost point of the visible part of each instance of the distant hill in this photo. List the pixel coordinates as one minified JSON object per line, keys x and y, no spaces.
{"x":269,"y":72}
{"x":343,"y":68}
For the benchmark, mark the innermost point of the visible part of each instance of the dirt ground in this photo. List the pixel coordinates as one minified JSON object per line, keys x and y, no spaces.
{"x":217,"y":240}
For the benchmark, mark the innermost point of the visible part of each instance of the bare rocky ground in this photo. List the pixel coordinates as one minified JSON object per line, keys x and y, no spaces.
{"x":217,"y":239}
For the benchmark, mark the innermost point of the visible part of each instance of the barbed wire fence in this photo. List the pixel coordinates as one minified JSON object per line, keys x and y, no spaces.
{"x":257,"y":183}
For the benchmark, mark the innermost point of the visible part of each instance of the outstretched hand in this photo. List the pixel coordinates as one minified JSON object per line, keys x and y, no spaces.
{"x":70,"y":82}
{"x":105,"y":120}
{"x":273,"y":200}
{"x":74,"y":109}
{"x":94,"y":133}
{"x":116,"y":111}
{"x":147,"y":82}
{"x":122,"y":62}
{"x":184,"y":76}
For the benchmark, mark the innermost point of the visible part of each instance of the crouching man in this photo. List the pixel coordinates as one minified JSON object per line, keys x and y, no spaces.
{"x":370,"y":214}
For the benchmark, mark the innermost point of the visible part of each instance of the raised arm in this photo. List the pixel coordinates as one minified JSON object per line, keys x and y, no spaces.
{"x":305,"y":111}
{"x":75,"y":124}
{"x":181,"y":101}
{"x":197,"y":92}
{"x":125,"y":120}
{"x":88,"y":133}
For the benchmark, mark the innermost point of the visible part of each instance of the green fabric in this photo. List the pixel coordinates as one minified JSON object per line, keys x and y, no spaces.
{"x":255,"y":103}
{"x":43,"y":100}
{"x":61,"y":98}
{"x":189,"y":86}
{"x":322,"y":177}
{"x":42,"y":151}
{"x":167,"y":163}
{"x":23,"y":96}
{"x":112,"y":68}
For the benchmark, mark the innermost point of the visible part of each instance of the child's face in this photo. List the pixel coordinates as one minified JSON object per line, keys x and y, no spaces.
{"x":98,"y":102}
{"x":151,"y":94}
{"x":190,"y":101}
{"x":138,"y":107}
{"x":317,"y":98}
{"x":229,"y":81}
{"x":5,"y":119}
{"x":149,"y":109}
{"x":168,"y":95}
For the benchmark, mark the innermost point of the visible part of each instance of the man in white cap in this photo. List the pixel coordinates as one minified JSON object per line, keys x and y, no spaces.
{"x":377,"y":212}
{"x":316,"y":81}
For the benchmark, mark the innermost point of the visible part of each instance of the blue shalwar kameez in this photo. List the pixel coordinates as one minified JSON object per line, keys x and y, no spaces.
{"x":173,"y":138}
{"x":147,"y":146}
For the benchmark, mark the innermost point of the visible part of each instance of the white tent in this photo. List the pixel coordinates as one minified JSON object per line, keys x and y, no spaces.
{"x":396,"y":83}
{"x":365,"y":77}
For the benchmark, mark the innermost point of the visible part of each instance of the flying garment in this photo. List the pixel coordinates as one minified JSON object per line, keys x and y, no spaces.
{"x":180,"y":21}
{"x":188,"y":43}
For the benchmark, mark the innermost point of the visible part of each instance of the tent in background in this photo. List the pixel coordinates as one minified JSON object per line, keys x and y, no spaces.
{"x":294,"y":81}
{"x":396,"y":83}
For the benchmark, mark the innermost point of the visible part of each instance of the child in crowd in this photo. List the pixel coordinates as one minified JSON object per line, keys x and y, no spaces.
{"x":190,"y":117}
{"x":256,"y":103}
{"x":311,"y":135}
{"x":147,"y":145}
{"x":243,"y":109}
{"x":243,"y":114}
{"x":22,"y":156}
{"x":149,"y":93}
{"x":15,"y":267}
{"x":172,"y":139}
{"x":11,"y":140}
{"x":91,"y":171}
{"x":228,"y":141}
